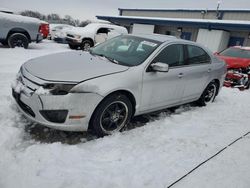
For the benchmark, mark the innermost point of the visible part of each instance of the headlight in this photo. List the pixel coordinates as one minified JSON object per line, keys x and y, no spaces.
{"x":55,"y":89}
{"x":77,"y":36}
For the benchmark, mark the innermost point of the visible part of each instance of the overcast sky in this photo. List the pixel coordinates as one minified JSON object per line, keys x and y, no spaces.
{"x":88,"y":9}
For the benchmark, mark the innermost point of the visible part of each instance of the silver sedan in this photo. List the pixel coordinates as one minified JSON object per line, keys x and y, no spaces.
{"x":123,"y":77}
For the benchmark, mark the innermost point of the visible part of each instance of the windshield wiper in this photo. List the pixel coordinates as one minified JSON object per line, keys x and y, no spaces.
{"x":108,"y":58}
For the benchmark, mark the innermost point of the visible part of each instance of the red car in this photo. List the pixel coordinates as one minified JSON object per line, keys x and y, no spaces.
{"x":238,"y":66}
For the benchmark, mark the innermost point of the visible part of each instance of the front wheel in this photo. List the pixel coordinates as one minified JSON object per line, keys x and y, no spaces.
{"x":208,"y":94}
{"x":4,"y":43}
{"x":73,"y":47}
{"x":18,"y":40}
{"x":111,"y":115}
{"x":86,"y":45}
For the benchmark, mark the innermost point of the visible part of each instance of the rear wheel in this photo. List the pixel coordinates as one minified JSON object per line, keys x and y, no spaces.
{"x":73,"y":47}
{"x":86,"y":45}
{"x":248,"y":84}
{"x":113,"y":113}
{"x":18,"y":40}
{"x":208,"y":94}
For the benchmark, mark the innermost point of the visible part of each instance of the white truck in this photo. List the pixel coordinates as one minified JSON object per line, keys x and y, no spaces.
{"x":86,"y":37}
{"x":19,"y":31}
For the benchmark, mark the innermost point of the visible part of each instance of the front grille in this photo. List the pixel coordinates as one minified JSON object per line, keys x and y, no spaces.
{"x":55,"y":116}
{"x":23,"y":106}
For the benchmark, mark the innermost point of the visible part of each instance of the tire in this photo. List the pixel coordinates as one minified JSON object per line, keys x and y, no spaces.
{"x":18,"y":40}
{"x":4,"y":43}
{"x":248,"y":84}
{"x":172,"y":109}
{"x":111,"y":115}
{"x":86,"y":45}
{"x":208,"y":94}
{"x":73,"y":47}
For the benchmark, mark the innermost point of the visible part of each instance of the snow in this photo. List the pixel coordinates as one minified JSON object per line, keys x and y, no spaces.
{"x":42,"y":91}
{"x":19,"y":18}
{"x":153,"y":155}
{"x":6,"y":10}
{"x":233,"y":163}
{"x":212,"y":21}
{"x":93,"y":27}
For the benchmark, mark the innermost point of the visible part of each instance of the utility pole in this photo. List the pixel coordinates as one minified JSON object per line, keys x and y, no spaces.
{"x":217,"y":10}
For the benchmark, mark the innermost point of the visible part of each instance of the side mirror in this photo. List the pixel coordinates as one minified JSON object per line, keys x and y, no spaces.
{"x":160,"y":67}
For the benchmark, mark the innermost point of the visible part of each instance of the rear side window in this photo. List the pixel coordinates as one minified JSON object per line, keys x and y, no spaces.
{"x":103,"y":30}
{"x":197,"y":55}
{"x":172,"y":55}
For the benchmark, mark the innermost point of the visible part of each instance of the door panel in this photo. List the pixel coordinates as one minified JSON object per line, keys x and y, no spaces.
{"x":197,"y":72}
{"x":186,"y":35}
{"x":196,"y":78}
{"x":236,"y":41}
{"x":161,"y":89}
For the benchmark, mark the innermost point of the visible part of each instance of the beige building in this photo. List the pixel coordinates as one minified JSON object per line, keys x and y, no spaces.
{"x":216,"y":29}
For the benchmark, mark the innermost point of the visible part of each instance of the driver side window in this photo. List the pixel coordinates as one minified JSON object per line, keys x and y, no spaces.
{"x":172,"y":55}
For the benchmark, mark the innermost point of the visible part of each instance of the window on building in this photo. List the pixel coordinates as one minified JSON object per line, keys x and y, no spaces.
{"x":168,"y":33}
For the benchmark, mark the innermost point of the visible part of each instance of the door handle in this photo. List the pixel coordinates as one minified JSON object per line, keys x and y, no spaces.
{"x":209,"y":70}
{"x":180,"y":75}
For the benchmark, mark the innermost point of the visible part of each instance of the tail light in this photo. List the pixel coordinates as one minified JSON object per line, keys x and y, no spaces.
{"x":44,"y":29}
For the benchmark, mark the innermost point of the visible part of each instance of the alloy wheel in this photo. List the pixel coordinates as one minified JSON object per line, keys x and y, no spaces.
{"x":114,"y":117}
{"x":210,"y":93}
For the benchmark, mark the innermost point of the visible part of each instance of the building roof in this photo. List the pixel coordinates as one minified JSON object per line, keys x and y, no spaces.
{"x":180,"y":22}
{"x":183,"y":9}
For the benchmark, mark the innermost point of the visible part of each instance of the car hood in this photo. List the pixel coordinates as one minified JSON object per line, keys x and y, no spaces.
{"x":71,"y":67}
{"x":234,"y":62}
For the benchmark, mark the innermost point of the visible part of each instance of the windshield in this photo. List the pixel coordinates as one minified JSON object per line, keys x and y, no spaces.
{"x":126,"y":50}
{"x":236,"y":52}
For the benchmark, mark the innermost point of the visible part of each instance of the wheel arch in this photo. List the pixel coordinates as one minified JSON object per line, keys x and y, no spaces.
{"x":121,"y":91}
{"x":90,"y":39}
{"x":18,"y":30}
{"x":217,"y":81}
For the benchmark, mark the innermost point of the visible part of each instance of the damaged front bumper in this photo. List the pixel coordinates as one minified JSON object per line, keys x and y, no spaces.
{"x":70,"y":112}
{"x":236,"y":79}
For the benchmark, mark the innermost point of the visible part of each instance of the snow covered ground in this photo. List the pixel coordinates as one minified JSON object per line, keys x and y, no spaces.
{"x":154,"y":155}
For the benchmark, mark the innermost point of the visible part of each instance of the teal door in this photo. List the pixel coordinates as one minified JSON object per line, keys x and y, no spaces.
{"x":186,"y":35}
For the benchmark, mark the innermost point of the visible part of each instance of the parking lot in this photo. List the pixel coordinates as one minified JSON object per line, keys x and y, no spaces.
{"x":155,"y":151}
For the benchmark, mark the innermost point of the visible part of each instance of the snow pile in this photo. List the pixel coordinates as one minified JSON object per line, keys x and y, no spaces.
{"x":154,"y":155}
{"x":42,"y":91}
{"x":18,"y":18}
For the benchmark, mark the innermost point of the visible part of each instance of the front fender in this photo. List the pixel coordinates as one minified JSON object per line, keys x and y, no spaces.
{"x":124,"y":81}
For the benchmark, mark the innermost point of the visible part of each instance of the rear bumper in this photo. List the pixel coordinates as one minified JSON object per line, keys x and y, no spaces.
{"x":39,"y":38}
